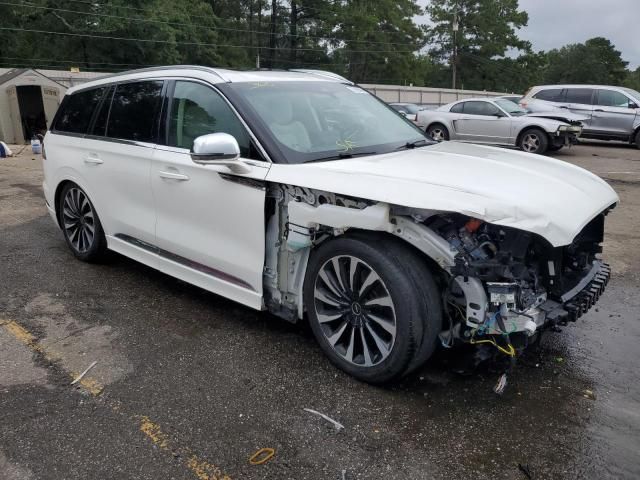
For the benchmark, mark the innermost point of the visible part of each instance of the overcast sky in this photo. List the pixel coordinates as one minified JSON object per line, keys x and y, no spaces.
{"x":554,"y":23}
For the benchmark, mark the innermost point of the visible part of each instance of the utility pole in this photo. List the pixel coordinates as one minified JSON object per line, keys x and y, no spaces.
{"x":454,"y":58}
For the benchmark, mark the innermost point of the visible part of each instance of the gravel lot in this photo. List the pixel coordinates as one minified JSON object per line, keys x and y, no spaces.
{"x":189,"y":385}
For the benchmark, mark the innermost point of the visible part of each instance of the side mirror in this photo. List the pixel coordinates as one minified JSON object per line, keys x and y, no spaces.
{"x":218,"y":149}
{"x":499,"y":115}
{"x":633,"y":105}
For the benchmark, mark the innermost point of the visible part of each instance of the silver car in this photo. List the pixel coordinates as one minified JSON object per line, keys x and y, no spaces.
{"x":613,"y":113}
{"x":501,"y":122}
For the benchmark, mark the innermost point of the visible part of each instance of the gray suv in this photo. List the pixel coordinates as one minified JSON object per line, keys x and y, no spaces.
{"x":613,"y":113}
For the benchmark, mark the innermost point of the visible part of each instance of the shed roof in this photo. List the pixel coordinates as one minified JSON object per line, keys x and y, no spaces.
{"x":16,"y":72}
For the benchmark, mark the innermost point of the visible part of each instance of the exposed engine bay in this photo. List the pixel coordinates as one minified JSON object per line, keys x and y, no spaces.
{"x":498,"y":283}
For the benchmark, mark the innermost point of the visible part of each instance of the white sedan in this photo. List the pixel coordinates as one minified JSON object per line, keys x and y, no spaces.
{"x":301,"y":194}
{"x":501,"y":122}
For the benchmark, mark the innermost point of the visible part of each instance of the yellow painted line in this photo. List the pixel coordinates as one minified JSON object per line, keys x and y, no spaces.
{"x":21,"y":334}
{"x":202,"y":469}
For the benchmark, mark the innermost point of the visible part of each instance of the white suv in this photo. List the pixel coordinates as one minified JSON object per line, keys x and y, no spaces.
{"x":302,"y":194}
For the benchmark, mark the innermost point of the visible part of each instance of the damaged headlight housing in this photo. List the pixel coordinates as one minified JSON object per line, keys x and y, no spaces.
{"x":569,"y":128}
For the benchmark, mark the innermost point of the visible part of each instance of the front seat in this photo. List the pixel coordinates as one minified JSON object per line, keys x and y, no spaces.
{"x":292,"y":133}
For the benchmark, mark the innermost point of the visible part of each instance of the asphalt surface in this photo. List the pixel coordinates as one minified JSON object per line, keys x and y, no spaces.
{"x":189,"y":385}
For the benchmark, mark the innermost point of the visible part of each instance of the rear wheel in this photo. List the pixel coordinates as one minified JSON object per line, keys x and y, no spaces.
{"x":438,"y":132}
{"x":366,"y":310}
{"x":637,"y":139}
{"x":80,"y":224}
{"x":534,"y":141}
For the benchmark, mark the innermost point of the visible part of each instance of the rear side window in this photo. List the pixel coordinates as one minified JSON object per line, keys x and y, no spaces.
{"x":134,"y":111}
{"x":550,"y":95}
{"x":579,"y":95}
{"x":100,"y":124}
{"x":611,"y":98}
{"x":77,"y":109}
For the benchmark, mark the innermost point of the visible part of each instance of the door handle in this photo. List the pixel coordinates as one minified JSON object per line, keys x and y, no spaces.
{"x":173,"y":176}
{"x":562,"y":106}
{"x":598,"y":110}
{"x":93,"y":159}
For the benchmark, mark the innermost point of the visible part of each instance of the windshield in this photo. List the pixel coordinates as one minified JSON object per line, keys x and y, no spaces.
{"x":633,"y":93}
{"x":310,"y":121}
{"x":511,"y":108}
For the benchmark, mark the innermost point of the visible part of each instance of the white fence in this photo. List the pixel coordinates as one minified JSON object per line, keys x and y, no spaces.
{"x":424,"y":95}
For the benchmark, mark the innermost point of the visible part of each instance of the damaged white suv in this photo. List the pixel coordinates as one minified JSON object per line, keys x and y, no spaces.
{"x":302,"y":194}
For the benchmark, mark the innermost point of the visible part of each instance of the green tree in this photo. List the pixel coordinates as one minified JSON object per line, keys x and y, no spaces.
{"x":595,"y":61}
{"x":486,"y":31}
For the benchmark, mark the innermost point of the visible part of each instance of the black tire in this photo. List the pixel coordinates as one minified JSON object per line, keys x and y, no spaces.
{"x":637,"y":139}
{"x":438,"y":132}
{"x":77,"y":217}
{"x":534,"y":140}
{"x":417,"y":322}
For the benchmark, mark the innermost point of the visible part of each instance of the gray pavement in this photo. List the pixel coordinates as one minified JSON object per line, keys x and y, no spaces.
{"x":189,"y":385}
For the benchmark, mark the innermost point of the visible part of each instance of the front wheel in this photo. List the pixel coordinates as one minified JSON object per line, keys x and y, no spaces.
{"x":534,"y":141}
{"x":367,"y":310}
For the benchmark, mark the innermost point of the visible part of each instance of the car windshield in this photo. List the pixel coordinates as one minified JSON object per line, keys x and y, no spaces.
{"x":312,"y":121}
{"x":635,"y":94}
{"x":511,"y":108}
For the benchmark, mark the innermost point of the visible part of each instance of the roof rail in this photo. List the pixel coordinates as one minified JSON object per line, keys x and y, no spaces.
{"x":169,"y":67}
{"x":322,"y":73}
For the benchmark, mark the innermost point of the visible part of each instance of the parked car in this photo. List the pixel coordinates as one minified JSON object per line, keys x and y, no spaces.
{"x":501,"y":122}
{"x":302,"y":194}
{"x":613,"y":113}
{"x":408,"y":110}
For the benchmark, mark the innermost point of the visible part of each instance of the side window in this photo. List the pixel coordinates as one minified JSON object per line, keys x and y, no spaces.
{"x":611,"y":98}
{"x":76,"y":111}
{"x":134,"y":109}
{"x":199,"y":110}
{"x":550,"y":95}
{"x":457,"y":108}
{"x":579,"y":95}
{"x":100,"y":124}
{"x":480,"y":108}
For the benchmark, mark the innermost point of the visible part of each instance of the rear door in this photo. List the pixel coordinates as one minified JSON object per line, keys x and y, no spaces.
{"x":612,"y":114}
{"x":210,"y":221}
{"x":483,"y":122}
{"x":117,"y":159}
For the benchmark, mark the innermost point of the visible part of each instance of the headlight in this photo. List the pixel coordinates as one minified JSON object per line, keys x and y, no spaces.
{"x":569,"y":128}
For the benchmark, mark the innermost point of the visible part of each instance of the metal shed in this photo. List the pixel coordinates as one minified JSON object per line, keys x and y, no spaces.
{"x":28,"y":102}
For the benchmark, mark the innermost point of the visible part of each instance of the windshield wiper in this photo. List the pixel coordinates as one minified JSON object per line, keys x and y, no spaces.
{"x":415,"y":143}
{"x":340,"y":156}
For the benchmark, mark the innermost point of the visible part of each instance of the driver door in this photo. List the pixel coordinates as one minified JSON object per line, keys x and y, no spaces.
{"x":483,"y":122}
{"x":210,"y":223}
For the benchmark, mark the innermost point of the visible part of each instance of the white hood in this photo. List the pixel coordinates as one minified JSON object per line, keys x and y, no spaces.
{"x":534,"y":193}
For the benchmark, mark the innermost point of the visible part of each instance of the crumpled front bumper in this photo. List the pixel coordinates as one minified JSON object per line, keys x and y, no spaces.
{"x":580,"y":299}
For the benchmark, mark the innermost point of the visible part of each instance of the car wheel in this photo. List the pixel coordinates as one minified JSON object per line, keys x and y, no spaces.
{"x":80,"y":225}
{"x":534,"y":141}
{"x":438,"y":132}
{"x":637,"y":139}
{"x":366,"y":310}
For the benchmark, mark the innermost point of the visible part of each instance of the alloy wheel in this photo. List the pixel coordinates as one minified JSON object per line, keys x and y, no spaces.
{"x":531,"y":142}
{"x":437,"y":134}
{"x":355,"y":311}
{"x":78,"y":220}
